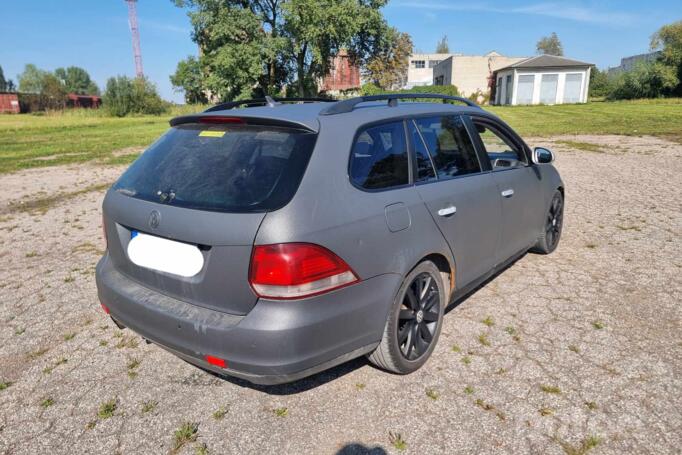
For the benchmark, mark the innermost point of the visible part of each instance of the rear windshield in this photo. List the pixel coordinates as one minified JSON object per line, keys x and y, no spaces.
{"x":229,"y":168}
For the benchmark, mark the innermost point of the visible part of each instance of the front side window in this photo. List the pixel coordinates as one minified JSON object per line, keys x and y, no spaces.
{"x":502,"y":152}
{"x":379,"y":157}
{"x":419,"y":63}
{"x":449,"y":144}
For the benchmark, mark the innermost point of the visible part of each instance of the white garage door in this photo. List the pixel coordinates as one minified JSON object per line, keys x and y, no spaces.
{"x":548,"y":88}
{"x":572,"y":88}
{"x":524,"y":92}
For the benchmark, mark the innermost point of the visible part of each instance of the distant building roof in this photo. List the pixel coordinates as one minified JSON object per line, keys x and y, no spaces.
{"x":546,"y":61}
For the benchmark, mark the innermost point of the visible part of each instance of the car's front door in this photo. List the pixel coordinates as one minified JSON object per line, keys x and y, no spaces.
{"x":462,"y":199}
{"x":517,"y":183}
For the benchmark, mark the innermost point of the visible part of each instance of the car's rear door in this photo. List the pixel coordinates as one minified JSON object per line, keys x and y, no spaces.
{"x":517,"y":183}
{"x":460,"y":194}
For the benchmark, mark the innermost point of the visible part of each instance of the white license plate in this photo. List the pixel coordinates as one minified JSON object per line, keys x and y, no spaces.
{"x":165,"y":255}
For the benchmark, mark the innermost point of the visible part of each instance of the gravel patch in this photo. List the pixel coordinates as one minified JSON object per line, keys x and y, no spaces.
{"x":584,"y":354}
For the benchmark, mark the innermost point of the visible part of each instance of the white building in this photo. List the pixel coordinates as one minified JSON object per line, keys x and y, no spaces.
{"x":470,"y":73}
{"x":420,"y":70}
{"x":545,"y":79}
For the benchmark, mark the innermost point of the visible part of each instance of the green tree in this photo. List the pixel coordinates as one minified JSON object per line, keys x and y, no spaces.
{"x":189,"y":78}
{"x":668,"y":40}
{"x":599,"y":83}
{"x":77,"y":80}
{"x":52,"y":91}
{"x":550,"y":45}
{"x":31,"y":79}
{"x":259,"y":46}
{"x":124,"y":96}
{"x":3,"y":82}
{"x":442,"y":47}
{"x":388,"y":68}
{"x":646,"y":80}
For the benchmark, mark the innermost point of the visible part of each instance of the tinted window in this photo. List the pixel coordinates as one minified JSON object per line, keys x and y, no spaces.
{"x":425,"y":170}
{"x":448,"y":142}
{"x":379,"y":157}
{"x":220,"y":167}
{"x":502,"y":151}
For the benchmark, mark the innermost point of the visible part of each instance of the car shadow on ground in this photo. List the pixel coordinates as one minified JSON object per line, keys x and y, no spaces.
{"x":355,"y":448}
{"x":318,"y":379}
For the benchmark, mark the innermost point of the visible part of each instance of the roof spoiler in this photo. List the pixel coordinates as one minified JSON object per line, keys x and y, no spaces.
{"x":348,"y":105}
{"x":265,"y":101}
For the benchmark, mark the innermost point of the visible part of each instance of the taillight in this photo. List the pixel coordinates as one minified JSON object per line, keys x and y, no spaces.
{"x":297,"y":270}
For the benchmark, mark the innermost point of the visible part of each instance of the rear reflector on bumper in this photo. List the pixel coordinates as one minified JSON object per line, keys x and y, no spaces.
{"x":217,"y":361}
{"x":297,"y":270}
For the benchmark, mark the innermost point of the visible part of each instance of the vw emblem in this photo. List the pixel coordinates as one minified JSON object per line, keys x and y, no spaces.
{"x":154,"y":219}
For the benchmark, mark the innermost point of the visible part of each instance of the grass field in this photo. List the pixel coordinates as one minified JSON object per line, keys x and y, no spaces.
{"x":72,"y":137}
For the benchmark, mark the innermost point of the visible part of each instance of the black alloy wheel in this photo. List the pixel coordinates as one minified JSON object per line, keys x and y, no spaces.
{"x":418,"y":317}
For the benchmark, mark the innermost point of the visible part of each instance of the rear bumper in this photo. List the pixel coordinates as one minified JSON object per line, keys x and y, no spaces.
{"x":276,"y":342}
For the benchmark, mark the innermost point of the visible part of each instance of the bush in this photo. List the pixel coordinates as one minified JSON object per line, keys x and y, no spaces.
{"x":449,"y":90}
{"x":125,"y":96}
{"x":646,"y":80}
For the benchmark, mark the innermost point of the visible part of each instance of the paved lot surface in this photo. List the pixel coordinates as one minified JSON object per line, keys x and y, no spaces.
{"x":573,"y":352}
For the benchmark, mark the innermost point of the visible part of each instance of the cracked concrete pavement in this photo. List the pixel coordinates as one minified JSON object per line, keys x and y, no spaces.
{"x":577,"y":351}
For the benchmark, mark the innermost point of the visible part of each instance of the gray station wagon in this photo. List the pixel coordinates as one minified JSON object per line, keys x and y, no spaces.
{"x":276,"y":240}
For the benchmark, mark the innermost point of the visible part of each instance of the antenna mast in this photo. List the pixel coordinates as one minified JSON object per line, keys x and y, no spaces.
{"x":132,"y":20}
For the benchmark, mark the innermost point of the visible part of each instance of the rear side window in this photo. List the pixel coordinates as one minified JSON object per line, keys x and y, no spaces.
{"x":452,"y":151}
{"x":221,"y":167}
{"x":379,"y":157}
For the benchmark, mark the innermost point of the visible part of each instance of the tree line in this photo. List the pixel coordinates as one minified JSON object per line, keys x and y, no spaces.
{"x":251,"y":48}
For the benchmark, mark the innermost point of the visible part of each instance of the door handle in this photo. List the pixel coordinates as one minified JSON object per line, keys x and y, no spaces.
{"x":507,"y":193}
{"x":447,"y":211}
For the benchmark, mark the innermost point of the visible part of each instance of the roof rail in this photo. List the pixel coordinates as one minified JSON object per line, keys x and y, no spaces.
{"x":266,"y":101}
{"x":348,"y":105}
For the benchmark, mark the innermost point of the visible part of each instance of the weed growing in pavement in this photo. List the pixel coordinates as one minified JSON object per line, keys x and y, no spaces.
{"x":281,"y":412}
{"x":47,"y":402}
{"x":39,"y":353}
{"x":591,"y":405}
{"x":585,"y":446}
{"x":544,"y":412}
{"x":20,"y":331}
{"x":456,"y":348}
{"x":220,"y":413}
{"x":5,"y":384}
{"x":360,"y":386}
{"x":397,"y":440}
{"x":468,"y":390}
{"x":31,"y":254}
{"x":483,"y":339}
{"x":69,"y":336}
{"x":149,"y":406}
{"x":488,"y":321}
{"x":510,"y":330}
{"x":431,"y":393}
{"x":201,"y":449}
{"x":550,"y":389}
{"x":185,"y":434}
{"x":107,"y":409}
{"x":598,"y":325}
{"x":466,"y":360}
{"x":574,"y":348}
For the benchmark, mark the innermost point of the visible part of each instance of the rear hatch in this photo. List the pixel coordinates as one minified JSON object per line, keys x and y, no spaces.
{"x":182,"y":219}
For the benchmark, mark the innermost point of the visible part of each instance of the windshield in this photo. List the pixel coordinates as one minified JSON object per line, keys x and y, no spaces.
{"x":230,"y":168}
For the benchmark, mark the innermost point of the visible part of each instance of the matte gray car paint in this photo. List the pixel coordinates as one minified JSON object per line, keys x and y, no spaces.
{"x":382,"y":235}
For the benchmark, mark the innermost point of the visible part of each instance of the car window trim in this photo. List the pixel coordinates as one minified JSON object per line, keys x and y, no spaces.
{"x":413,"y":154}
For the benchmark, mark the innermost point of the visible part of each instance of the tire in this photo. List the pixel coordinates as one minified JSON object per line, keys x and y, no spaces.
{"x":415,"y":329}
{"x":553,"y":223}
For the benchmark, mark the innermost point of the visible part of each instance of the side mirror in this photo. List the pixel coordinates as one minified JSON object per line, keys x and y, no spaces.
{"x":542,"y":155}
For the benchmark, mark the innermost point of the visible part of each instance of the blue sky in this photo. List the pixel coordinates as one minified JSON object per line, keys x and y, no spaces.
{"x":94,"y":34}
